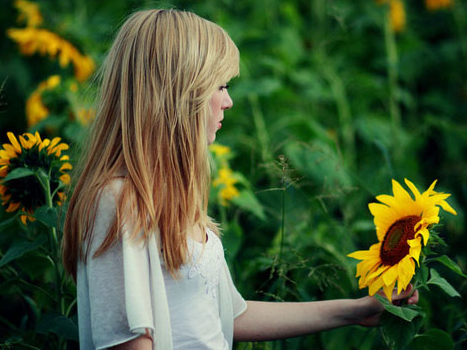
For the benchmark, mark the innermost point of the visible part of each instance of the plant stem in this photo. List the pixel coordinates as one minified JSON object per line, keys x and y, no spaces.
{"x":392,"y":60}
{"x":260,"y":126}
{"x":282,"y":224}
{"x":52,"y":231}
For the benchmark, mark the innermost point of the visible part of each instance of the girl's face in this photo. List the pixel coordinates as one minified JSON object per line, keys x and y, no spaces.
{"x":220,"y":101}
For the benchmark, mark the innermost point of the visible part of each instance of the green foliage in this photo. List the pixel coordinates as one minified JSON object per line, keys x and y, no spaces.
{"x":329,"y":106}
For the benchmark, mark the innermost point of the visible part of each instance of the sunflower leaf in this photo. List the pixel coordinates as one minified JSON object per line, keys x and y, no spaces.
{"x":17,"y":174}
{"x":446,"y":261}
{"x":442,"y":283}
{"x":435,"y":239}
{"x":422,"y":276}
{"x":398,"y":333}
{"x":46,"y":215}
{"x":405,"y":312}
{"x":58,"y":324}
{"x":434,"y":339}
{"x":19,"y":248}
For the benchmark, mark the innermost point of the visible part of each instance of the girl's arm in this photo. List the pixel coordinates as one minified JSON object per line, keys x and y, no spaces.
{"x":270,"y":320}
{"x":143,"y":342}
{"x":140,"y":343}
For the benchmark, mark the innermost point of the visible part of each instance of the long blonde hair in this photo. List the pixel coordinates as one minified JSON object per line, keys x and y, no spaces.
{"x":156,"y":83}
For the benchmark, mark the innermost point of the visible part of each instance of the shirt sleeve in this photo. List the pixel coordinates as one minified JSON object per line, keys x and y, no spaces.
{"x":239,"y":304}
{"x":108,"y":278}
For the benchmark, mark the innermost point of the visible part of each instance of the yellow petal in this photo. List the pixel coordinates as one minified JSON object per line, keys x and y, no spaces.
{"x":14,"y":142}
{"x":58,"y":149}
{"x":446,"y":207}
{"x":65,"y":178}
{"x":430,"y":189}
{"x":38,"y":137}
{"x":379,"y":271}
{"x":390,"y":275}
{"x":415,"y":248}
{"x":399,"y":192}
{"x":13,"y":207}
{"x":412,"y":188}
{"x":66,"y":166}
{"x":4,"y":171}
{"x":388,"y":290}
{"x":55,"y":140}
{"x":10,"y":149}
{"x":4,"y":154}
{"x":375,"y":286}
{"x":44,"y":143}
{"x":406,"y":268}
{"x":366,"y":254}
{"x":425,"y":234}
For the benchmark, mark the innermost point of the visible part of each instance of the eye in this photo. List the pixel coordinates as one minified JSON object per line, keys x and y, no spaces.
{"x":223,"y":87}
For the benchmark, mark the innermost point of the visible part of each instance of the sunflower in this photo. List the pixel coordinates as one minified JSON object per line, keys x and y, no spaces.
{"x":402,"y":227}
{"x":37,"y":155}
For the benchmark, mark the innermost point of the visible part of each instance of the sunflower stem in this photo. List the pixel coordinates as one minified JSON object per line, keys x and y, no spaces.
{"x":392,"y":61}
{"x":55,"y":253}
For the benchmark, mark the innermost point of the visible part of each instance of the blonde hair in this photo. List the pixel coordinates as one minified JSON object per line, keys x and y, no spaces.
{"x":156,"y":83}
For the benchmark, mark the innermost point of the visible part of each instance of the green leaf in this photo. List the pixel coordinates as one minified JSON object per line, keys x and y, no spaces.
{"x":21,"y":247}
{"x":442,"y":283}
{"x":446,"y":261}
{"x":396,"y":332}
{"x":232,"y":238}
{"x":37,"y":265}
{"x":58,"y":324}
{"x":434,"y":339}
{"x":11,"y":221}
{"x":247,"y":200}
{"x":422,"y":276}
{"x":407,"y":313}
{"x":48,"y":216}
{"x":18,"y":173}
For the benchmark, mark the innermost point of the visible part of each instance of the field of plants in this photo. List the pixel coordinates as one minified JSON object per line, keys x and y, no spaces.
{"x":335,"y":100}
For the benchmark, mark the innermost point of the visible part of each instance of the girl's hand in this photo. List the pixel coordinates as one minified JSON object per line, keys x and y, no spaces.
{"x":373,"y":308}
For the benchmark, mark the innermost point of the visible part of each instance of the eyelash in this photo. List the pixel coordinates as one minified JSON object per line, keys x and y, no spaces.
{"x":221,"y":88}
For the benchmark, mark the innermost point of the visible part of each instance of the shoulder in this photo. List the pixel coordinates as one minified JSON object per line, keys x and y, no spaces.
{"x":105,"y":210}
{"x":108,"y":196}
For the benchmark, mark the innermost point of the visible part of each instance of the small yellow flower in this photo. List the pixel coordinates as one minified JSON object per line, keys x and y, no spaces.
{"x":226,"y":181}
{"x":434,"y":5}
{"x":219,"y":150}
{"x":396,"y":15}
{"x":402,"y":227}
{"x":85,"y":116}
{"x":32,"y":153}
{"x":228,"y":193}
{"x":29,"y":13}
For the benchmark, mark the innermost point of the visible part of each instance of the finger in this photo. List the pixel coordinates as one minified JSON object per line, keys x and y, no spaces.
{"x":414,"y":298}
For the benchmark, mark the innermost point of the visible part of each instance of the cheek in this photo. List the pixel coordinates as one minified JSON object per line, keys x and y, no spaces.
{"x":216,"y":101}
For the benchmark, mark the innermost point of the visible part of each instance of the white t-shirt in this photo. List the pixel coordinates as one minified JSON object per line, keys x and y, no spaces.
{"x":127,"y":290}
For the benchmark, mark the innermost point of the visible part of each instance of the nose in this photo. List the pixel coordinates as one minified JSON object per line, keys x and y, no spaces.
{"x":227,"y":102}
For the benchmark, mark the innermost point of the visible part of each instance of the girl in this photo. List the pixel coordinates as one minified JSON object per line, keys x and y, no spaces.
{"x":146,"y":257}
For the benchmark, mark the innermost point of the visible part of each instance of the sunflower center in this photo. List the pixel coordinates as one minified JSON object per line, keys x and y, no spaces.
{"x":395,"y":246}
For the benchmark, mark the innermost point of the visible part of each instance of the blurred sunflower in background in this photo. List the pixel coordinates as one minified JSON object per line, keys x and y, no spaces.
{"x":402,"y":224}
{"x":32,"y":169}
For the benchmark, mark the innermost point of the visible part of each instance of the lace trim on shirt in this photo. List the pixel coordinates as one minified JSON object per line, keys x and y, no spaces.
{"x":207,"y":262}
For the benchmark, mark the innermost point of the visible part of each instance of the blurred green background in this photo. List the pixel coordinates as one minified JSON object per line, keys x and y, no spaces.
{"x":334,"y":99}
